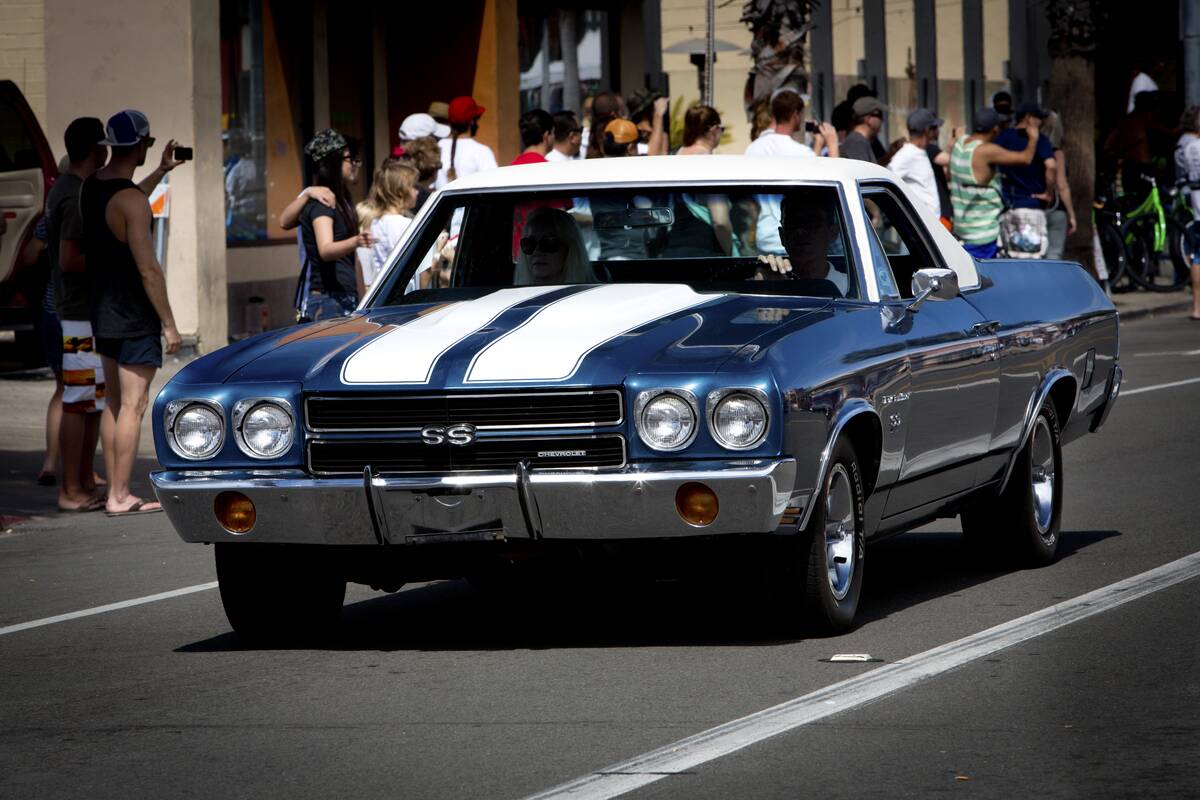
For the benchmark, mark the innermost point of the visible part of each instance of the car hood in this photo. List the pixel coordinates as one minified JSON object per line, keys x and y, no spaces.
{"x":521,"y":336}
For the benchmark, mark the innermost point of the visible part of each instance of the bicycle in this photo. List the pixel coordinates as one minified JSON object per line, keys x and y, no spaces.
{"x":1107,"y":221}
{"x":1151,"y":236}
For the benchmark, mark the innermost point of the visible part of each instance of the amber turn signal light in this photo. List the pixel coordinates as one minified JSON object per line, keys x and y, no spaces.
{"x":696,"y":504}
{"x":235,"y":512}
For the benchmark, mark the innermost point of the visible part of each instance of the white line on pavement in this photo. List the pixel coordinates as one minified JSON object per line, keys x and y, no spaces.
{"x":1170,"y":353}
{"x":1172,"y":384}
{"x":87,"y":612}
{"x":686,"y":754}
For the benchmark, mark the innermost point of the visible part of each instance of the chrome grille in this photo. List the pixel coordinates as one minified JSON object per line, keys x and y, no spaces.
{"x":498,"y":411}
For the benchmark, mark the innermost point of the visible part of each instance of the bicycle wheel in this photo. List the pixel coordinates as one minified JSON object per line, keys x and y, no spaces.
{"x":1113,"y":251}
{"x":1158,"y":271}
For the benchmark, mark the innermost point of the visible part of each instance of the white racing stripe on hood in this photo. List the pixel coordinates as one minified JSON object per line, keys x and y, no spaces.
{"x":551,"y":344}
{"x":408,"y":354}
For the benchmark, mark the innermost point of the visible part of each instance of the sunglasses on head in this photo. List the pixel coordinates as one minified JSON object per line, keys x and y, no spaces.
{"x":547,"y":244}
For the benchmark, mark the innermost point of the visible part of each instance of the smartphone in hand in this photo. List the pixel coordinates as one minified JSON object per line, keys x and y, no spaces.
{"x":183,"y":153}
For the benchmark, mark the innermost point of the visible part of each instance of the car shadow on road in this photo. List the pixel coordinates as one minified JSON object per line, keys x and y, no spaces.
{"x":454,"y":615}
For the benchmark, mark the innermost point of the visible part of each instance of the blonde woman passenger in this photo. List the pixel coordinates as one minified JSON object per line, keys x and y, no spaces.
{"x":386,"y":214}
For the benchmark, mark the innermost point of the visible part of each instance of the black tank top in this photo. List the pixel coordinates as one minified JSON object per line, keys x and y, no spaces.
{"x":120,"y":307}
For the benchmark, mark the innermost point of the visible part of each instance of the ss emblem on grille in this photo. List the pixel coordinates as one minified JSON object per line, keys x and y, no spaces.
{"x":460,"y":434}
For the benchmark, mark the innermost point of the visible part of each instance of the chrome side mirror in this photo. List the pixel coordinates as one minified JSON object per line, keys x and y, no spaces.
{"x":939,"y":284}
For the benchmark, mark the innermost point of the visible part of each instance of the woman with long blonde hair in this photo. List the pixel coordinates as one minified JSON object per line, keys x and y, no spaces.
{"x":386,"y":213}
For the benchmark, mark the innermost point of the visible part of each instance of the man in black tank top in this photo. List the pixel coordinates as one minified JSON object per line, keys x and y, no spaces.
{"x":130,"y":310}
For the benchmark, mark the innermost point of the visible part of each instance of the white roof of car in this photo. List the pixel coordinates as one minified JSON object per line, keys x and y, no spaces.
{"x":642,"y":170}
{"x":669,"y":169}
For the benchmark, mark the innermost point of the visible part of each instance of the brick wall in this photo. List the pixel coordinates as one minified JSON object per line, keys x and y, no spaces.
{"x":23,"y":50}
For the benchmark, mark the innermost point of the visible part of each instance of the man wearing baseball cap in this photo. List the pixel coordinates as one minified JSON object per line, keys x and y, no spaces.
{"x":462,"y":155}
{"x":911,"y":163}
{"x":620,"y":138}
{"x":868,"y":119}
{"x":975,"y":184}
{"x":1025,"y":185}
{"x":130,"y":310}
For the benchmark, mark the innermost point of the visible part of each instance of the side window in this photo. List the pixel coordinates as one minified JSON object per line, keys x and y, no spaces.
{"x":883,"y":271}
{"x":897,"y":235}
{"x":17,"y":150}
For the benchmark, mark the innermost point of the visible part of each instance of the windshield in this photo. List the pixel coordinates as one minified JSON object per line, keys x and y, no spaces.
{"x":789,"y":241}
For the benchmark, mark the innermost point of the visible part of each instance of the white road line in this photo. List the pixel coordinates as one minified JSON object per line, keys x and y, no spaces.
{"x":87,"y":612}
{"x":687,"y":754}
{"x":1172,"y":384}
{"x":1170,"y":353}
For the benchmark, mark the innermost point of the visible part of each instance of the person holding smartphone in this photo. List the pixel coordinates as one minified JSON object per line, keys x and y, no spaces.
{"x":787,"y":110}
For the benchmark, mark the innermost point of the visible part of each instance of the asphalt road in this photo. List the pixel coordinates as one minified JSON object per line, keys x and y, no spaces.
{"x":441,"y":690}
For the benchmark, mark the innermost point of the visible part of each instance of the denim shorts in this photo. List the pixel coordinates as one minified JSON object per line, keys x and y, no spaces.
{"x":137,"y":351}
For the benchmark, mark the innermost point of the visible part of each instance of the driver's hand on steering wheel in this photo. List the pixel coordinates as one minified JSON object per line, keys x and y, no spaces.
{"x":780,"y":265}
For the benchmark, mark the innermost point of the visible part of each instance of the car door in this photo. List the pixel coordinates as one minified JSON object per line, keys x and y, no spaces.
{"x":950,"y":410}
{"x":25,"y":163}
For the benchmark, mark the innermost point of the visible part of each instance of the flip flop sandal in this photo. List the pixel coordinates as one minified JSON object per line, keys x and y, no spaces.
{"x":134,"y":509}
{"x":95,"y":504}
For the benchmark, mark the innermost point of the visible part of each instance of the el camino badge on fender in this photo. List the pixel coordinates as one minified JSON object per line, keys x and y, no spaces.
{"x":461,"y":434}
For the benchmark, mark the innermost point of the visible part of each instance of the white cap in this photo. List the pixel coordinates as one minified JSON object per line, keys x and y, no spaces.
{"x":417,"y":125}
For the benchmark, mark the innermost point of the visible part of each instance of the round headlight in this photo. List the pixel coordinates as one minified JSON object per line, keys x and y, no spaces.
{"x":739,"y":421}
{"x":667,"y":422}
{"x":198,"y":432}
{"x":267,"y":430}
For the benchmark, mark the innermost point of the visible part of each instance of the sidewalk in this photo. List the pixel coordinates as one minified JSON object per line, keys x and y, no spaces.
{"x":1137,"y":305}
{"x":24,"y":396}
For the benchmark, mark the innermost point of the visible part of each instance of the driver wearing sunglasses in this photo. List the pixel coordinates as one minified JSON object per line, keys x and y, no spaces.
{"x":552,"y":251}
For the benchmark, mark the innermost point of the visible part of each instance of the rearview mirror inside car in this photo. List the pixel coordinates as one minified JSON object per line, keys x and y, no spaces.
{"x":630,"y":218}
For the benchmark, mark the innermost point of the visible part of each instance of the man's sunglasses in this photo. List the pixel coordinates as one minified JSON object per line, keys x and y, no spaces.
{"x":547,"y":244}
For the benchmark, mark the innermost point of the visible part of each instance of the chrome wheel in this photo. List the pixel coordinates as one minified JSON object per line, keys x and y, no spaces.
{"x":840,"y":546}
{"x":1042,"y":472}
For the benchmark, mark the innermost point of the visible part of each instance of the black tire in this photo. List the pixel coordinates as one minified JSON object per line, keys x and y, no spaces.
{"x":1158,"y":271}
{"x":826,"y":598}
{"x":1022,"y":524}
{"x":278,"y":593}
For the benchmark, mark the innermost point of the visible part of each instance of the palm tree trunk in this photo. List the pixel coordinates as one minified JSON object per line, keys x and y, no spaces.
{"x":1073,"y":95}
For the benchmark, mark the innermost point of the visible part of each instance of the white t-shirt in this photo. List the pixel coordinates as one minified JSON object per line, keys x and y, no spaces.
{"x":469,"y":157}
{"x":912,"y":165}
{"x":557,"y":156}
{"x":1141,"y":83}
{"x":779,"y":144}
{"x":387,"y":231}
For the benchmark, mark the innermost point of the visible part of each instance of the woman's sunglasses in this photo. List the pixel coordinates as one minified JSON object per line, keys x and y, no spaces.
{"x":547,"y":244}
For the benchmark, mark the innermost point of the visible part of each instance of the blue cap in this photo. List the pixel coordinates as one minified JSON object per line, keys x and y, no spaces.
{"x":126,"y":128}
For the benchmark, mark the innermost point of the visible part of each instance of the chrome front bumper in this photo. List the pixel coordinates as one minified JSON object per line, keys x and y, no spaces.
{"x":636,"y":502}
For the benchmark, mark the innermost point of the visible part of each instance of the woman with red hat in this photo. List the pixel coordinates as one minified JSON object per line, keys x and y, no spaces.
{"x":462,"y":155}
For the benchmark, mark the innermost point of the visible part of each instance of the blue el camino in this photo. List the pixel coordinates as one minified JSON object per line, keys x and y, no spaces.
{"x":777,"y":358}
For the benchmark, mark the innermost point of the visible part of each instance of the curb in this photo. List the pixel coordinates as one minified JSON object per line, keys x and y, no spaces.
{"x":1153,"y":311}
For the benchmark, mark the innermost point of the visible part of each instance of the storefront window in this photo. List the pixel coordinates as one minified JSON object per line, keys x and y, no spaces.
{"x":551,"y":78}
{"x":259,"y":127}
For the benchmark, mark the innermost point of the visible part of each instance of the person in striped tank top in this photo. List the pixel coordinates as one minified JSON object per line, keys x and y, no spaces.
{"x":975,"y":184}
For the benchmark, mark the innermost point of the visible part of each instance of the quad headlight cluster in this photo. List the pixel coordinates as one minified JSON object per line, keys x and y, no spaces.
{"x":263,"y":427}
{"x":669,"y":419}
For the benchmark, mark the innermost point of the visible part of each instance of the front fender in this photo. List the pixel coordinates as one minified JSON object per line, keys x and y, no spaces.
{"x":811,"y":476}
